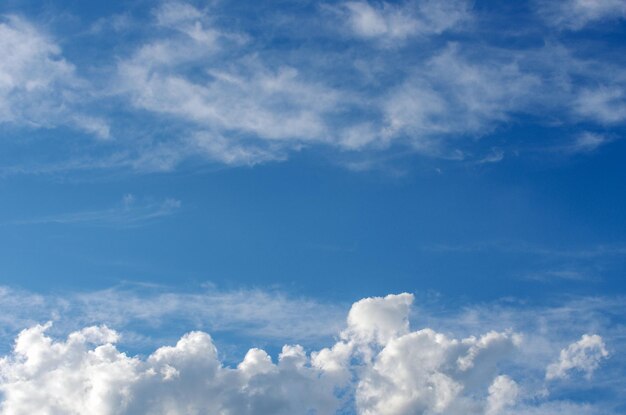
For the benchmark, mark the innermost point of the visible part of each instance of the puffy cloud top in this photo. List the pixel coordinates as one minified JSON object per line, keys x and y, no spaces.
{"x":584,"y":355}
{"x":379,"y":366}
{"x":379,"y":319}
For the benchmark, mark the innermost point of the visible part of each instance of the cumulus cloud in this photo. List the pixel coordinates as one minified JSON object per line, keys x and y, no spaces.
{"x":87,"y":374}
{"x":38,"y":86}
{"x":379,"y":319}
{"x":426,"y":372}
{"x":378,"y":366}
{"x":503,"y":392}
{"x":585,"y":355}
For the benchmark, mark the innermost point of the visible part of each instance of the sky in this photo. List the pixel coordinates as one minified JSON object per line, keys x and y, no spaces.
{"x":312,"y":207}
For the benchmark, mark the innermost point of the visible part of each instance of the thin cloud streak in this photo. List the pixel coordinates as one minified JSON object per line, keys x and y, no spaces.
{"x":128,"y":213}
{"x":246,"y":312}
{"x":525,"y":248}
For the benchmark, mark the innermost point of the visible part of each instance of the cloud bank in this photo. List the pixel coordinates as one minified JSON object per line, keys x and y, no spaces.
{"x":378,"y":365}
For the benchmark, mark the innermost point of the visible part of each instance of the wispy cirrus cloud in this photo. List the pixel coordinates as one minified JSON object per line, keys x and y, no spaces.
{"x":129,"y":212}
{"x":415,"y":77}
{"x":607,"y":104}
{"x":241,"y":112}
{"x":453,"y":96}
{"x":250,"y":110}
{"x":512,"y":246}
{"x":576,"y":14}
{"x":388,"y":22}
{"x":136,"y":308}
{"x":39,"y":88}
{"x":587,"y":142}
{"x":592,"y":264}
{"x":560,"y":275}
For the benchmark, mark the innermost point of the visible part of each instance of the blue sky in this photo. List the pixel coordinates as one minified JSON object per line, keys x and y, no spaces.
{"x":251,"y":169}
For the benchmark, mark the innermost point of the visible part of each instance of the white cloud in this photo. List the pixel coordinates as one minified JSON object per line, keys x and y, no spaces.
{"x":587,"y":142}
{"x":503,"y":392}
{"x":379,"y":366}
{"x":38,"y":87}
{"x":253,"y":313}
{"x":395,"y":22}
{"x":379,"y":319}
{"x":115,"y":23}
{"x":190,"y":87}
{"x":240,"y":110}
{"x":496,"y":155}
{"x":454,"y":97}
{"x":176,"y":14}
{"x":238,"y":106}
{"x":271,"y":105}
{"x":425,"y":372}
{"x":606,"y":105}
{"x":221,"y":149}
{"x":576,"y":14}
{"x":585,"y":355}
{"x":588,"y":88}
{"x":87,"y":374}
